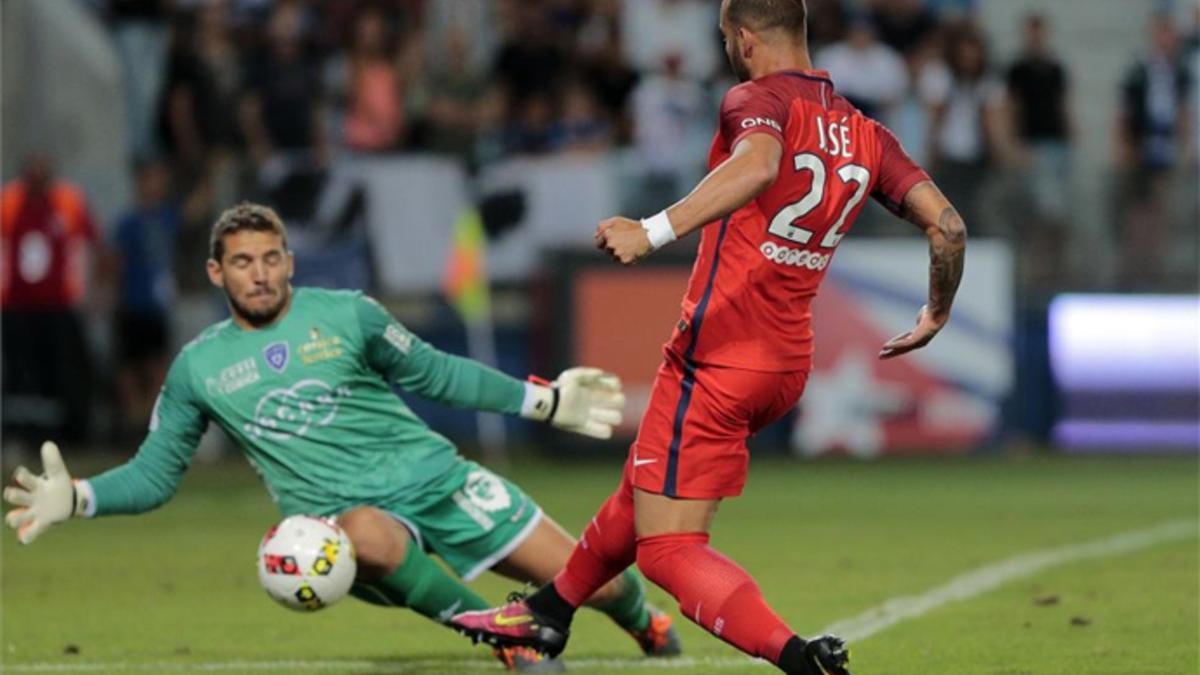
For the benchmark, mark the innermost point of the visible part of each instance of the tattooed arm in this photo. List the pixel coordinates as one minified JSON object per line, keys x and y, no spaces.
{"x":926,"y":207}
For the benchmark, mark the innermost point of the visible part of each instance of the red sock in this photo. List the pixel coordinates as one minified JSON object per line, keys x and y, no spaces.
{"x":714,"y":592}
{"x":607,"y":547}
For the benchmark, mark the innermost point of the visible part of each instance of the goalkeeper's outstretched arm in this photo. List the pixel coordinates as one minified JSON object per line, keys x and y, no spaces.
{"x":586,"y":401}
{"x":143,"y":483}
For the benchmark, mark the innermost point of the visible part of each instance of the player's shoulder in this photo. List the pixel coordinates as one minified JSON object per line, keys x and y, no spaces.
{"x":788,"y":84}
{"x":309,"y":294}
{"x":207,"y":337}
{"x":328,"y":301}
{"x":769,"y":86}
{"x":208,"y":344}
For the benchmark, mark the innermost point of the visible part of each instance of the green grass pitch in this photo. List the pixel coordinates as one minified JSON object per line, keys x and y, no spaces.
{"x":176,"y":589}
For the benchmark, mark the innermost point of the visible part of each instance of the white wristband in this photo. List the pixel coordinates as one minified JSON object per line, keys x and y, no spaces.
{"x":539,"y":402}
{"x":85,"y":500}
{"x":658,"y":229}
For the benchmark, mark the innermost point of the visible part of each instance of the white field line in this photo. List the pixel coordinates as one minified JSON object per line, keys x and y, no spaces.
{"x":989,"y":577}
{"x":857,"y":628}
{"x":382,"y":666}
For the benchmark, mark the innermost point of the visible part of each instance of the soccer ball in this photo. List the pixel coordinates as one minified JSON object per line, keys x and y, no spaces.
{"x":306,"y":563}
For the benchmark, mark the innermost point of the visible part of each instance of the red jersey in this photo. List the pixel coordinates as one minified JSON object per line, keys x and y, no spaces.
{"x":44,"y":242}
{"x":757,"y":270}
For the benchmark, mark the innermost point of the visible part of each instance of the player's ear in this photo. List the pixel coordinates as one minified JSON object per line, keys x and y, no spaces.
{"x":745,"y":42}
{"x":216,"y":275}
{"x":291,"y":258}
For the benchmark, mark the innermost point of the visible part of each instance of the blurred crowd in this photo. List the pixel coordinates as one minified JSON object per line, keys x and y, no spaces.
{"x":229,"y":99}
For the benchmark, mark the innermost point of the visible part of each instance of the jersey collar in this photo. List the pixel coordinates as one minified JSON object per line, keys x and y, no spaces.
{"x":819,"y":75}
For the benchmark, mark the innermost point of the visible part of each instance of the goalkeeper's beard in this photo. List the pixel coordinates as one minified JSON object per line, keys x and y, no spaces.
{"x":264,"y":315}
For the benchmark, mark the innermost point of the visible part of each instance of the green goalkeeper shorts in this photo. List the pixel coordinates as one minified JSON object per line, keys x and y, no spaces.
{"x":477,"y":521}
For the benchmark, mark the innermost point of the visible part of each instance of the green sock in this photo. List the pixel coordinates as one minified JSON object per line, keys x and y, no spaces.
{"x":421,"y":585}
{"x":629,"y":610}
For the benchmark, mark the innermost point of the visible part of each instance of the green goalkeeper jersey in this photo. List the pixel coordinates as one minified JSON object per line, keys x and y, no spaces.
{"x":309,"y":401}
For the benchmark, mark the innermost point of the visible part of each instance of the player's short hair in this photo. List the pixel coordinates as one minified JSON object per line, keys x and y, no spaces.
{"x":244,"y":216}
{"x":789,"y":16}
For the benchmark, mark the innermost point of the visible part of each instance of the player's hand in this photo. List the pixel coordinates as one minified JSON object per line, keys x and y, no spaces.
{"x":927,"y":327}
{"x":623,"y":239}
{"x":590,"y":402}
{"x":585,"y":401}
{"x":43,"y":500}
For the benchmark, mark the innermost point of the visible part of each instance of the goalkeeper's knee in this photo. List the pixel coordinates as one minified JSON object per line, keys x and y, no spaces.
{"x":380,"y":541}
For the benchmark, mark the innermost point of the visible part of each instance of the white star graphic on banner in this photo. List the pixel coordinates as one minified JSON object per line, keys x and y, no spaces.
{"x":845,"y":406}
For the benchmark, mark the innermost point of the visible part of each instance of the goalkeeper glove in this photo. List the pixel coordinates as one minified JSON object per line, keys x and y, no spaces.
{"x":46,"y":499}
{"x":585,"y":401}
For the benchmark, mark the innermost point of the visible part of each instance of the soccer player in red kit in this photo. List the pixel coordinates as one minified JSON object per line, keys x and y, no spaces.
{"x":790,"y":168}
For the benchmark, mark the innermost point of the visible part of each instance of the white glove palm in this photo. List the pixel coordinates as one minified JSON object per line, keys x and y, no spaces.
{"x":585,"y":401}
{"x":43,"y":500}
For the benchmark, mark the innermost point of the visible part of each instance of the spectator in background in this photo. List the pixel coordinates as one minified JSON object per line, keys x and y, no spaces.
{"x":583,"y":127}
{"x":1154,"y":96}
{"x":564,"y":18}
{"x":1193,"y":57}
{"x":281,"y":111}
{"x":491,"y":130}
{"x":604,"y":67}
{"x":375,"y":109}
{"x":1037,"y":92}
{"x":903,"y":24}
{"x":144,"y":241}
{"x":1152,"y":138}
{"x":196,"y":124}
{"x":141,"y":31}
{"x":1191,"y":42}
{"x":532,"y":131}
{"x":47,"y":239}
{"x":966,"y":120}
{"x":529,"y":63}
{"x":456,"y":92}
{"x":665,"y":109}
{"x":910,"y":121}
{"x":826,"y":22}
{"x":868,"y":73}
{"x":655,"y":29}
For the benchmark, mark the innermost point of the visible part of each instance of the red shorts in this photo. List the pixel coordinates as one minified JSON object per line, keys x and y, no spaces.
{"x":692,"y":439}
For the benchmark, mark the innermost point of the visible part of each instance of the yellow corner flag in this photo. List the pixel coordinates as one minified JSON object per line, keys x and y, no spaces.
{"x":466,"y":283}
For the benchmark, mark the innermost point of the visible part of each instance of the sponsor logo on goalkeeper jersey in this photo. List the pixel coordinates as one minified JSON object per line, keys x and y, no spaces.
{"x":483,"y":493}
{"x":487,"y":491}
{"x":289,"y":412}
{"x":241,"y":374}
{"x":320,"y":348}
{"x":398,"y":337}
{"x":796,"y":257}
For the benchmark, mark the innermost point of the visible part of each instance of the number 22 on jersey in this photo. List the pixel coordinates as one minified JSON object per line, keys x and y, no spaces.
{"x":834,"y":141}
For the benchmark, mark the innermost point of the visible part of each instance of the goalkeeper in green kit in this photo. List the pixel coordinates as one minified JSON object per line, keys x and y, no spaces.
{"x":300,"y":379}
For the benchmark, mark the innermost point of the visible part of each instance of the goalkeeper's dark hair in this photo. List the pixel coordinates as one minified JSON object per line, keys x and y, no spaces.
{"x":787,"y":16}
{"x":244,"y":216}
